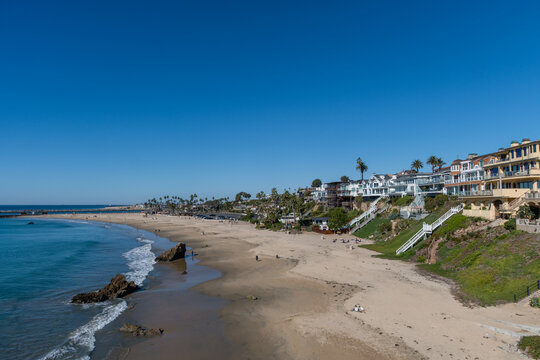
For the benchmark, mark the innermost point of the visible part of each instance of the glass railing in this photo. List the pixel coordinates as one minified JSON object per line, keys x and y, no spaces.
{"x":476,"y":193}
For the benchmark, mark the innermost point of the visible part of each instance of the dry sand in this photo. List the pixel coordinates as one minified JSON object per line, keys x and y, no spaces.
{"x":305,"y":299}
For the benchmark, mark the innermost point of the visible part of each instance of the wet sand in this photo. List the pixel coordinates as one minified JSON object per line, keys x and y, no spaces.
{"x":305,"y":299}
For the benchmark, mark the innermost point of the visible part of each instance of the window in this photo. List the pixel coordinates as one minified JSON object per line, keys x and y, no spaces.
{"x":512,"y":153}
{"x":526,"y":185}
{"x":518,"y":152}
{"x":524,"y":151}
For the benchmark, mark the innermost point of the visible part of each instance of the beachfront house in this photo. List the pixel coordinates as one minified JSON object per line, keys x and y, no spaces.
{"x":511,"y":180}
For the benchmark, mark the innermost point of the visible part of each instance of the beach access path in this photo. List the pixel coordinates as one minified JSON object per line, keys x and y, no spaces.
{"x":306,"y":296}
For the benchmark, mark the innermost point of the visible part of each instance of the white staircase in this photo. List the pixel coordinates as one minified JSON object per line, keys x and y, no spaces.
{"x":368,"y":219}
{"x":371,"y":211}
{"x":428,"y":229}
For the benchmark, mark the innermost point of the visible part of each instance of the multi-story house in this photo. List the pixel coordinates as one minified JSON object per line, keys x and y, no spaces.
{"x":511,"y":179}
{"x":467,"y":176}
{"x":403,"y":183}
{"x":375,"y":186}
{"x":432,"y":184}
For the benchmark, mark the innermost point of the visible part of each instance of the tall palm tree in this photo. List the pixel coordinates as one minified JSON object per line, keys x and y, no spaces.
{"x":440,"y":163}
{"x":361,"y":166}
{"x":432,"y":160}
{"x":417,"y":164}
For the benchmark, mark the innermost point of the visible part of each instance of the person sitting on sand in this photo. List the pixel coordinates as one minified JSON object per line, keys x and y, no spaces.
{"x":356,"y":308}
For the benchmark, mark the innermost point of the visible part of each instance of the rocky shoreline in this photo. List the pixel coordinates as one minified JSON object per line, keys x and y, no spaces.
{"x":119,"y":287}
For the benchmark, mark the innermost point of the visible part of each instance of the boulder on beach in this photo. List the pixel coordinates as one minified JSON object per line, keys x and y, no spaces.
{"x":117,"y":288}
{"x":137,"y":330}
{"x":177,"y":252}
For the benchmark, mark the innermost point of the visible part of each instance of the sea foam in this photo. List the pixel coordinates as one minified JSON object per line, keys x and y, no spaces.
{"x":81,"y":342}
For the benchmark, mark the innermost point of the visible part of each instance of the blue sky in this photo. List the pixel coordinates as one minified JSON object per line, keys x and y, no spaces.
{"x":120,"y":101}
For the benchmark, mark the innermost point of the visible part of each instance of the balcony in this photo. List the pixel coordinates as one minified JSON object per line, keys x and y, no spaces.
{"x":476,"y":193}
{"x":429,"y":181}
{"x":508,"y":174}
{"x":502,"y":193}
{"x":460,"y":181}
{"x":514,"y":160}
{"x":533,"y":195}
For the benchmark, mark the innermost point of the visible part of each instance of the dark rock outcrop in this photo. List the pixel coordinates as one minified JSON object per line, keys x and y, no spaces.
{"x":118,"y":287}
{"x":137,"y":330}
{"x":177,"y":252}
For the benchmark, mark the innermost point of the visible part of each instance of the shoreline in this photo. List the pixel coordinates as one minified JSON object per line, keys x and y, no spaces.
{"x":305,"y":297}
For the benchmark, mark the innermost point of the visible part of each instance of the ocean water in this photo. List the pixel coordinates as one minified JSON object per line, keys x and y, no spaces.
{"x":7,"y":210}
{"x":43,"y":265}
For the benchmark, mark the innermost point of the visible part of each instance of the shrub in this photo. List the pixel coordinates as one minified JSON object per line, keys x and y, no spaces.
{"x":531,"y":345}
{"x":338,"y":218}
{"x":467,"y":207}
{"x":525,"y":212}
{"x":510,"y":224}
{"x":535,"y":302}
{"x":385,"y":227}
{"x":393,"y":215}
{"x":421,"y":259}
{"x":402,"y":201}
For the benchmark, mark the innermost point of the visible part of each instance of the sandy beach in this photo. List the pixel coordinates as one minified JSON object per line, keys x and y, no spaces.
{"x":306,"y":297}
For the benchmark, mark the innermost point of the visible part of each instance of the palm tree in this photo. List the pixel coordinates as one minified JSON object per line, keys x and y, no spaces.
{"x":432,"y":160}
{"x":361,"y":166}
{"x":440,"y":163}
{"x":417,"y":164}
{"x":345,"y":178}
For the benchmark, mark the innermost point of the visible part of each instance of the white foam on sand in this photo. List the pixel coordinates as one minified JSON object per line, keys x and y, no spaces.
{"x":81,"y":342}
{"x":141,"y":261}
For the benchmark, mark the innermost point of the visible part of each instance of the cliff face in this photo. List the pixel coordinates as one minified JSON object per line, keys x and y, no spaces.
{"x":177,"y":252}
{"x":117,"y":288}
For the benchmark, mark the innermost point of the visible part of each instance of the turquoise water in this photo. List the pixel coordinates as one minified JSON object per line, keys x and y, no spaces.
{"x":43,"y":265}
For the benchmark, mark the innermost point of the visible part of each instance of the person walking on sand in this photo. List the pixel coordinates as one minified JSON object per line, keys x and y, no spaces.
{"x":256,"y":257}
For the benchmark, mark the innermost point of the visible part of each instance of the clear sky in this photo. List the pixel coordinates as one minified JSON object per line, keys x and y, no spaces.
{"x":120,"y":101}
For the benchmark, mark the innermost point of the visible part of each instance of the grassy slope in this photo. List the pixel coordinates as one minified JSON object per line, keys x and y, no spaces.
{"x":388,"y":248}
{"x":488,"y":268}
{"x":371,"y":227}
{"x":491,"y":270}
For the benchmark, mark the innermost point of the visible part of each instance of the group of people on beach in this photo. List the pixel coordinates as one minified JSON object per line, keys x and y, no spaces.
{"x":348,"y":241}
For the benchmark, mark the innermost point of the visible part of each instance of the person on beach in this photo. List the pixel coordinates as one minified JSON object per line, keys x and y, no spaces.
{"x":256,"y":257}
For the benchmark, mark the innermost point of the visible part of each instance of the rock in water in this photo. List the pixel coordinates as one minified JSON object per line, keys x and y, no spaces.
{"x":137,"y":330}
{"x":177,"y":252}
{"x":118,"y":287}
